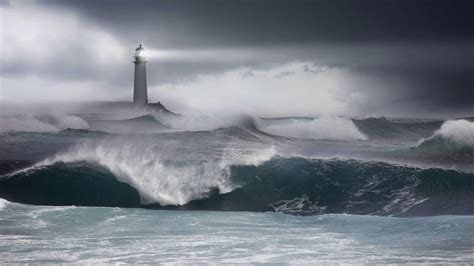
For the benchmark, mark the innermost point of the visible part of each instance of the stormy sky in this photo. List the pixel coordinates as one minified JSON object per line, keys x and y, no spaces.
{"x":268,"y":57}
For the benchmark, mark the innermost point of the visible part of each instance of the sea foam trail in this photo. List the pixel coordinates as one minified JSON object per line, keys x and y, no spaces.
{"x":167,"y":182}
{"x":48,"y":123}
{"x":333,"y":128}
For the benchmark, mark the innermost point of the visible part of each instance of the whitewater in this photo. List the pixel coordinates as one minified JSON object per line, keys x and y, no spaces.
{"x":132,"y":187}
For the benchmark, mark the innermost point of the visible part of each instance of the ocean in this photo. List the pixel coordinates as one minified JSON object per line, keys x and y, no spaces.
{"x":110,"y":187}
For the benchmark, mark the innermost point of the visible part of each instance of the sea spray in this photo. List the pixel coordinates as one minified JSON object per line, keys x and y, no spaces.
{"x":454,"y":140}
{"x":459,"y":131}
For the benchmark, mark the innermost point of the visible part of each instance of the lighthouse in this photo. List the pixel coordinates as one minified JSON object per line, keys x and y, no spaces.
{"x":140,"y":93}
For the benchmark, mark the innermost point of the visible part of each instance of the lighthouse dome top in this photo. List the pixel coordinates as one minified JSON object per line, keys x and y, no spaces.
{"x":140,"y":52}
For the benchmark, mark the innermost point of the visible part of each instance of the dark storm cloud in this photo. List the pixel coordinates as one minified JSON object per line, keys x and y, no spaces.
{"x":420,"y":50}
{"x":270,"y":22}
{"x":421,"y":91}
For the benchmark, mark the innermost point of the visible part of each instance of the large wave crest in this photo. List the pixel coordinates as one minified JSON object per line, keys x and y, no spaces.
{"x":455,"y":139}
{"x":460,"y":132}
{"x":162,"y":181}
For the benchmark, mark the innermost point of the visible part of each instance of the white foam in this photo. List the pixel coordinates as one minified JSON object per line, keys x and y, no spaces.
{"x":159,"y":181}
{"x":50,"y":123}
{"x":298,"y":205}
{"x":459,"y":131}
{"x":326,"y":127}
{"x":247,"y":157}
{"x":3,"y":203}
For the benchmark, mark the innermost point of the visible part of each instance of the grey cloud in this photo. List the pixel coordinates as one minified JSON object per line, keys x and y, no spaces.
{"x":420,"y":51}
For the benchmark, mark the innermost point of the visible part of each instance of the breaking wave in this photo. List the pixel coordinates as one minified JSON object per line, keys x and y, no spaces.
{"x":265,"y":182}
{"x":455,"y":138}
{"x":331,"y":128}
{"x":163,"y":181}
{"x":460,"y":132}
{"x":45,"y":123}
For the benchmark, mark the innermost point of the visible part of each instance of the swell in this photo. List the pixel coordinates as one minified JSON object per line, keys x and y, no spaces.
{"x":79,"y":183}
{"x":290,"y":185}
{"x":383,"y":128}
{"x":312,"y":186}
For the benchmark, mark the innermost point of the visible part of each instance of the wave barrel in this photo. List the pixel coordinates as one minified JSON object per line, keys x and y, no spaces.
{"x":140,"y":94}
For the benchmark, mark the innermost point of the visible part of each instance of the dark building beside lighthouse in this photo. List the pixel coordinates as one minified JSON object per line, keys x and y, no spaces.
{"x":140,"y":90}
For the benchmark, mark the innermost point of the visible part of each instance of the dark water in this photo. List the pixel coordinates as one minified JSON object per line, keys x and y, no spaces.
{"x":289,"y":185}
{"x":294,"y":166}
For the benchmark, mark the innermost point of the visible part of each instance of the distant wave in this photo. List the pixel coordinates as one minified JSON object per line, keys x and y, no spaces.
{"x":162,"y":123}
{"x":205,"y":122}
{"x":460,"y":132}
{"x":455,"y":138}
{"x":260,"y":183}
{"x":408,"y":129}
{"x":331,"y":128}
{"x":41,"y":123}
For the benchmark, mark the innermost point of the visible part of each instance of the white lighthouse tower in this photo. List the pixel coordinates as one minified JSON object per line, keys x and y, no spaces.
{"x":140,"y":93}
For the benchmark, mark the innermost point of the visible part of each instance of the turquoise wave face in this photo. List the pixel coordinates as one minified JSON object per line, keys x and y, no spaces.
{"x":290,"y":185}
{"x":81,"y":184}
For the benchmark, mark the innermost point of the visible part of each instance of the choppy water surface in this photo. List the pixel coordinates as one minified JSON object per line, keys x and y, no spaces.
{"x":80,"y":234}
{"x":154,"y":187}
